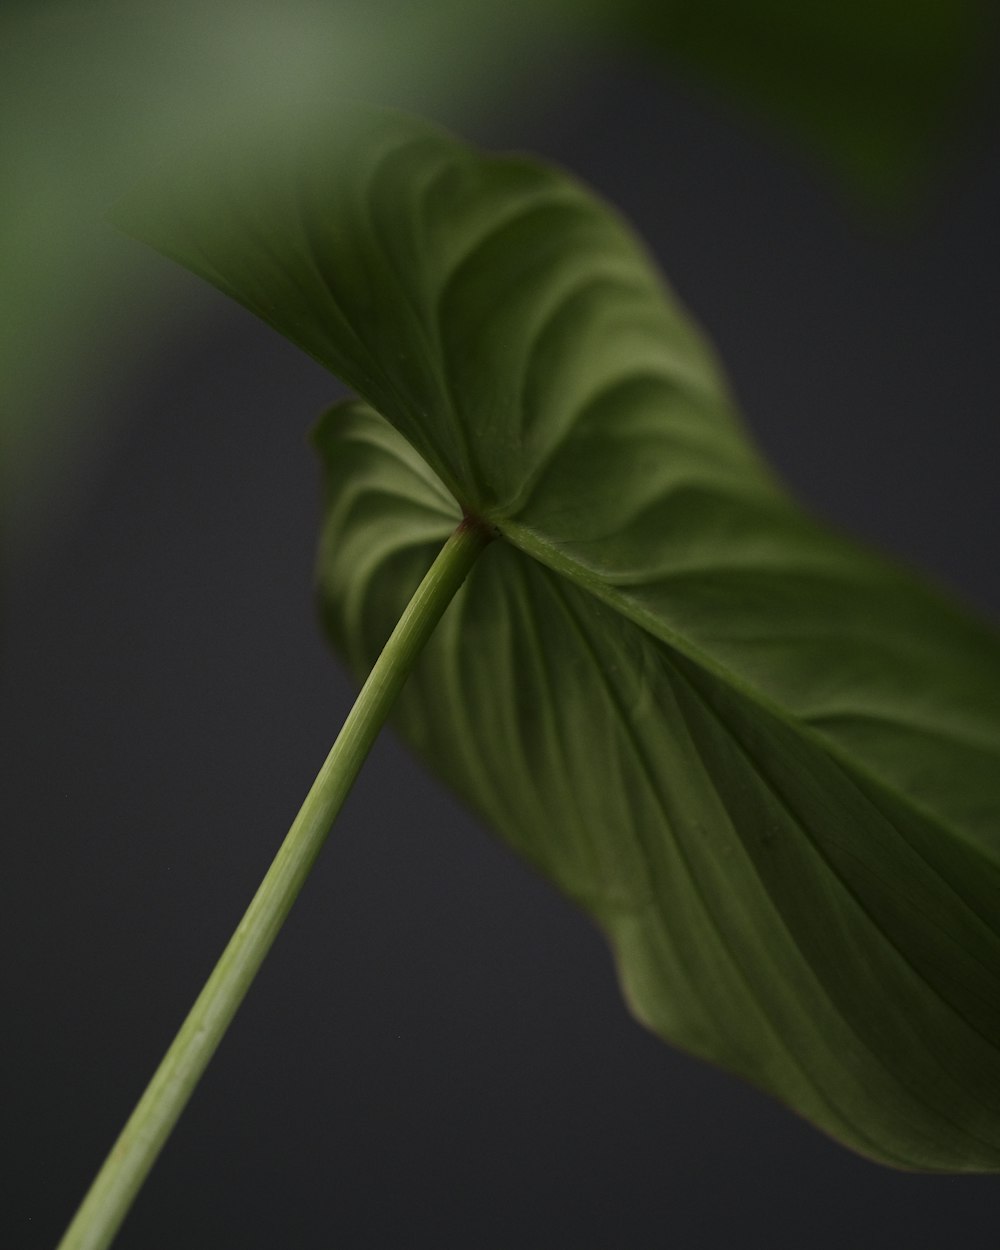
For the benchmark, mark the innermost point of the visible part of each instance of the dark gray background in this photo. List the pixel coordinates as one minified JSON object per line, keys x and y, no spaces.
{"x":436,"y":1053}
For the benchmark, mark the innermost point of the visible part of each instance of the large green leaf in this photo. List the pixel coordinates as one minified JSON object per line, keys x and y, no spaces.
{"x":765,"y":761}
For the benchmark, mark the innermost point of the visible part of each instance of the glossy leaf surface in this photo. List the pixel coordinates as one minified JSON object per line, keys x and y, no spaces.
{"x":763,"y":760}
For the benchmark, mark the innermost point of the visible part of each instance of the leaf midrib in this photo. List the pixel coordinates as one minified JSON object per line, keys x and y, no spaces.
{"x":821,"y":1093}
{"x":725,"y":944}
{"x":534,"y":545}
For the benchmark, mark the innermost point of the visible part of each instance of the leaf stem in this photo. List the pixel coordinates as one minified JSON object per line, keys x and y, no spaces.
{"x":114,"y":1189}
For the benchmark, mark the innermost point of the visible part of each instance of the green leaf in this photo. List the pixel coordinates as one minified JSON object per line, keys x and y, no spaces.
{"x":763,"y":760}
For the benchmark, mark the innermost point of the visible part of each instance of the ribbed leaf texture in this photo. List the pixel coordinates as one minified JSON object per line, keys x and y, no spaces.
{"x":765,"y":761}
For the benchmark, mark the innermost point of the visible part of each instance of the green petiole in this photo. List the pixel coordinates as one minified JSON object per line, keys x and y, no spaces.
{"x":114,"y":1189}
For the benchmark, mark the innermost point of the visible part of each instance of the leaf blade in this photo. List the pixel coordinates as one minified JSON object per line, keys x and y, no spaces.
{"x":764,"y":936}
{"x":763,"y":760}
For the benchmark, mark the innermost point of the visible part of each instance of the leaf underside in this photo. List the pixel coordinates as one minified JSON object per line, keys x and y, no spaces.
{"x":763,"y":760}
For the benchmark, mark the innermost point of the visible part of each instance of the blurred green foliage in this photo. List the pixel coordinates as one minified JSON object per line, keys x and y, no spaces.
{"x":872,"y":88}
{"x":91,"y":93}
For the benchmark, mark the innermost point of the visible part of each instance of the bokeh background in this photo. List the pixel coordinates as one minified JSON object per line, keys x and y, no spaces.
{"x":435,"y":1053}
